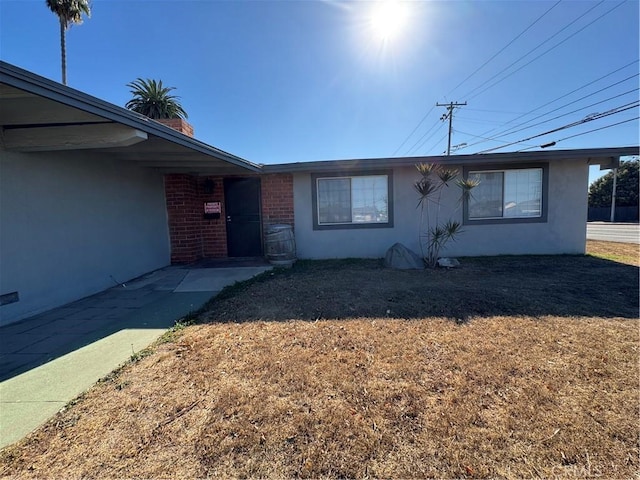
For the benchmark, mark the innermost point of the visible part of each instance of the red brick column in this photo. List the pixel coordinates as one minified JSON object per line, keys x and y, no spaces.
{"x":214,"y":231}
{"x":184,"y":231}
{"x":277,"y":199}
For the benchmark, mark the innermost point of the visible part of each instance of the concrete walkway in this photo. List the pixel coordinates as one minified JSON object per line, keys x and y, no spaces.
{"x":49,"y":359}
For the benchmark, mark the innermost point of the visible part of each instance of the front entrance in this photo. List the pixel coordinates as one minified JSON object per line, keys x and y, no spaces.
{"x":242,"y":207}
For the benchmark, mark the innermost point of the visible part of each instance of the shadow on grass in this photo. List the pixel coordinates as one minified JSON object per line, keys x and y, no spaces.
{"x":564,"y":285}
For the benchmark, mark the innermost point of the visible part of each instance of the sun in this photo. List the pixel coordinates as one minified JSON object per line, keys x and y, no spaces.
{"x":388,"y":18}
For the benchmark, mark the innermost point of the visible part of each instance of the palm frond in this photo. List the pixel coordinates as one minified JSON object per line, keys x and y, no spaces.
{"x":70,"y":11}
{"x":152,"y":99}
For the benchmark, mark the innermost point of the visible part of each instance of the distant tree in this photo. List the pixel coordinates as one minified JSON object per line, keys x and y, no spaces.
{"x":152,"y":99}
{"x":69,"y":12}
{"x":626,"y":186}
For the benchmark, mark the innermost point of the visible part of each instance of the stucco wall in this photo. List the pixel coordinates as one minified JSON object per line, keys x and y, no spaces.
{"x":564,"y":231}
{"x":70,"y":221}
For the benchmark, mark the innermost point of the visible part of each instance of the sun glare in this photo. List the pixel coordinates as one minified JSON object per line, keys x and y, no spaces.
{"x":388,"y":18}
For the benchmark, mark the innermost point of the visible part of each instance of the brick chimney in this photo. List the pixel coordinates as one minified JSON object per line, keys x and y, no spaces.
{"x":178,"y":124}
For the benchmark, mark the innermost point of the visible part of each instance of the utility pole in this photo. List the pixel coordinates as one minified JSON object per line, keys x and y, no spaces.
{"x":613,"y":196}
{"x":450,"y":106}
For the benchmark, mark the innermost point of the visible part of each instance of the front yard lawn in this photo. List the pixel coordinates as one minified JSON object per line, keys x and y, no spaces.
{"x":507,"y":367}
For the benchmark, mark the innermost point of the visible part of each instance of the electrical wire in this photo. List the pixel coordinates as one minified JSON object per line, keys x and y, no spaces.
{"x":493,"y":111}
{"x":436,"y":144}
{"x":504,"y":48}
{"x":570,"y":125}
{"x":413,"y":148}
{"x":485,"y":138}
{"x":414,"y":130}
{"x":521,"y":58}
{"x":511,"y":129}
{"x":472,"y":74}
{"x":585,"y":133}
{"x":470,"y":97}
{"x":577,"y":90}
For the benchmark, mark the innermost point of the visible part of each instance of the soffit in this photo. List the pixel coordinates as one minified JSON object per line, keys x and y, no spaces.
{"x":33,"y":122}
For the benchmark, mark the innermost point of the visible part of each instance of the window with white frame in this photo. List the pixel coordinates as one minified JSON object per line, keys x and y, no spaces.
{"x":507,"y":194}
{"x":352,"y":201}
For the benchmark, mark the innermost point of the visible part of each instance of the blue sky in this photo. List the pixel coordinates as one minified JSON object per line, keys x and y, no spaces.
{"x":287,"y":81}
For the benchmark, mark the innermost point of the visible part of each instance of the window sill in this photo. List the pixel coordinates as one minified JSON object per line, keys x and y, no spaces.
{"x":353,"y":226}
{"x":503,"y":221}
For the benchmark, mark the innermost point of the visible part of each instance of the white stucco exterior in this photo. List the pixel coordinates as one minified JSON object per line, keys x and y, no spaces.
{"x":70,"y":221}
{"x":564,"y":231}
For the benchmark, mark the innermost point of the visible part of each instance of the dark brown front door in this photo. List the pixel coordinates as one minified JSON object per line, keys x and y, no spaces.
{"x":242,"y":208}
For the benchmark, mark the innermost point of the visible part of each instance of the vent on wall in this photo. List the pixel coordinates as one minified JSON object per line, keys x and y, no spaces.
{"x":8,"y":298}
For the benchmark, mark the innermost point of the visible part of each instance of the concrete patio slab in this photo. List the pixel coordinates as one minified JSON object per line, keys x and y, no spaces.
{"x":50,"y":359}
{"x":203,"y":279}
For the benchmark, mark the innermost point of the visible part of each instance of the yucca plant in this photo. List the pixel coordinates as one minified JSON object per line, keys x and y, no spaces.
{"x":433,"y":234}
{"x":152,"y":99}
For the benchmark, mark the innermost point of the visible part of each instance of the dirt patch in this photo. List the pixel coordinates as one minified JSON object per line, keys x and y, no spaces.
{"x":487,"y":371}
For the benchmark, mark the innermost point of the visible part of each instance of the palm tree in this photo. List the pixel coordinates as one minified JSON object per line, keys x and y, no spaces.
{"x":68,"y":12}
{"x":150,"y":98}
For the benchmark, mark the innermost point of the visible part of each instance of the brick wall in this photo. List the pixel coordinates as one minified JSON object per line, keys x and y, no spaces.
{"x":194,"y":237}
{"x":180,"y":193}
{"x":214,"y":231}
{"x":178,"y":124}
{"x":277,"y":199}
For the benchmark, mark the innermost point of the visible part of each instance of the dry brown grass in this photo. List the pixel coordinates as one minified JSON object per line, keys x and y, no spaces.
{"x":628,"y":253}
{"x":523,"y":395}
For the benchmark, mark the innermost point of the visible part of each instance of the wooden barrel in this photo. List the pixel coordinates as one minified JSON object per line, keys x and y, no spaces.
{"x":280,"y":245}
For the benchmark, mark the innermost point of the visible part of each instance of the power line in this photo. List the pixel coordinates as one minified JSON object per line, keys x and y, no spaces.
{"x":494,"y":111}
{"x":485,"y":138}
{"x":576,"y":90}
{"x":472,"y":74}
{"x":527,"y":126}
{"x":584,"y":133}
{"x":579,"y":122}
{"x":521,"y":58}
{"x":413,"y":131}
{"x":546,"y":51}
{"x":505,"y":47}
{"x":436,"y":144}
{"x":428,"y":138}
{"x":536,"y":47}
{"x":510,"y":130}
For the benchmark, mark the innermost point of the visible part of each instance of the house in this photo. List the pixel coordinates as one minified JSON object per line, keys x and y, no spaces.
{"x":92,"y":195}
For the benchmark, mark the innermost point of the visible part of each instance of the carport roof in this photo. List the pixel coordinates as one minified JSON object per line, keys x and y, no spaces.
{"x":38,"y":114}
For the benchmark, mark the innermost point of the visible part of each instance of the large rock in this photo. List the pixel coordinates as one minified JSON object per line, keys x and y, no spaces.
{"x":402,"y":258}
{"x":447,"y":262}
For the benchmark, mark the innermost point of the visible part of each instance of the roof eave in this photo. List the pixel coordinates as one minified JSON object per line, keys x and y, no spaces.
{"x":35,"y":84}
{"x":593,"y":156}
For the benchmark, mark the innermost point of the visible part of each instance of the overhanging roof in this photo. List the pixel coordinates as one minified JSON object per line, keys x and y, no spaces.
{"x":606,"y":157}
{"x":37,"y":114}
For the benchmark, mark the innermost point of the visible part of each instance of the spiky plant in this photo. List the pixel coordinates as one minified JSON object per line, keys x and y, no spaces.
{"x":433,"y":235}
{"x":69,"y":12}
{"x":152,"y":99}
